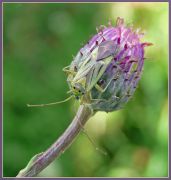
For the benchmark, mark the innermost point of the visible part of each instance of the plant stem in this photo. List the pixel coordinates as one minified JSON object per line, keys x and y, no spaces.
{"x":42,"y":160}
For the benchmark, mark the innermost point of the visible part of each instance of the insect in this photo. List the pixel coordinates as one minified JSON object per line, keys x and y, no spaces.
{"x":83,"y":78}
{"x":87,"y":74}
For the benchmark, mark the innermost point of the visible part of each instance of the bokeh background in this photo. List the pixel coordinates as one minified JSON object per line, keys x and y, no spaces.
{"x":39,"y":40}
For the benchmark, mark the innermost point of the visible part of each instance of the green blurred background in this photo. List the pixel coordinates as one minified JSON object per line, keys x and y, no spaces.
{"x":39,"y":40}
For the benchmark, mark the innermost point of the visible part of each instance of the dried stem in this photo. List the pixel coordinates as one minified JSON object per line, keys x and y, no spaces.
{"x":42,"y":160}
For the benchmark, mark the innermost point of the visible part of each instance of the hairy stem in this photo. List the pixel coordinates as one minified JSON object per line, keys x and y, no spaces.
{"x":42,"y":160}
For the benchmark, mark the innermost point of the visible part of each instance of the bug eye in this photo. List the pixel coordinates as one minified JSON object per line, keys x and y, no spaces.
{"x":74,"y":87}
{"x":79,"y":91}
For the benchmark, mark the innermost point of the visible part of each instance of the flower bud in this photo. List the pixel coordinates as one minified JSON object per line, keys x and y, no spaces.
{"x":106,"y":71}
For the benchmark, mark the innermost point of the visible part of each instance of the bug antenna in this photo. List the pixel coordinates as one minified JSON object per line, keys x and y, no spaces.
{"x":49,"y":104}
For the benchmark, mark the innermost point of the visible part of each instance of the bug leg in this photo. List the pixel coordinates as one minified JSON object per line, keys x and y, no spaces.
{"x":101,"y":89}
{"x":94,"y":99}
{"x":68,"y":71}
{"x":65,"y":68}
{"x":91,"y":140}
{"x":98,"y":88}
{"x":97,"y":100}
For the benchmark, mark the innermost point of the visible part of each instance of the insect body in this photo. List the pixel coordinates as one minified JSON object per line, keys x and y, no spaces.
{"x":81,"y":80}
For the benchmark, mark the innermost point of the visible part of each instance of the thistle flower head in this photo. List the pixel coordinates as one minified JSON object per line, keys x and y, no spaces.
{"x":106,"y":71}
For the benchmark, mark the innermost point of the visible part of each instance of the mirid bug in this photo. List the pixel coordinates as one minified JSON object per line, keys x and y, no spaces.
{"x":90,"y":71}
